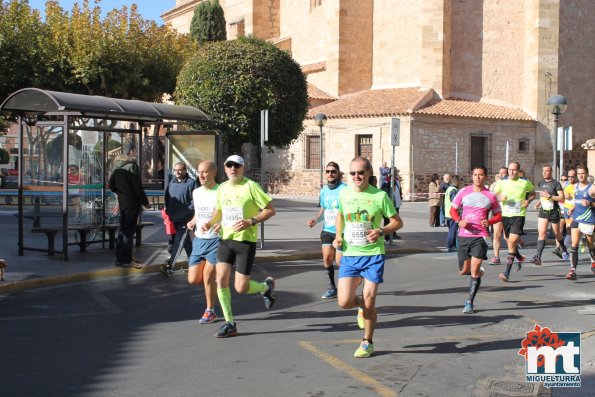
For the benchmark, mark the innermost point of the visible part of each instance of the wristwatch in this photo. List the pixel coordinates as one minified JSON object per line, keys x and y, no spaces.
{"x":380,"y":232}
{"x":253,"y":220}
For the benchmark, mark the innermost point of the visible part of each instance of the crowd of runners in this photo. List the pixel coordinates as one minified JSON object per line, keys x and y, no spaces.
{"x":356,"y":217}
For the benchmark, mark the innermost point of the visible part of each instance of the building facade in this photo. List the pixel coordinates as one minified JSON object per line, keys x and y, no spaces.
{"x":469,"y":80}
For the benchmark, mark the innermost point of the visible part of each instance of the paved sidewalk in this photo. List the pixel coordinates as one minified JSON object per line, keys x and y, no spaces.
{"x":286,"y":238}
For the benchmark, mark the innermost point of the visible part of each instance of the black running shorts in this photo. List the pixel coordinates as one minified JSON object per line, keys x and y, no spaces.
{"x":475,"y":247}
{"x":327,"y":238}
{"x":240,"y":253}
{"x":552,"y":216}
{"x":513,"y":224}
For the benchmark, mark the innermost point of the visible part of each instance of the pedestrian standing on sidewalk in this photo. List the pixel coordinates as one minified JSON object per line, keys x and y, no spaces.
{"x":434,"y":200}
{"x":202,"y":261}
{"x":475,"y":202}
{"x":359,"y":233}
{"x":453,"y":227}
{"x":179,"y":206}
{"x":126,"y":183}
{"x":329,"y":206}
{"x":239,"y":200}
{"x":444,"y":184}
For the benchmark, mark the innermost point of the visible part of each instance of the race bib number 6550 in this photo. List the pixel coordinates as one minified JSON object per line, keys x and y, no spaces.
{"x":356,"y":233}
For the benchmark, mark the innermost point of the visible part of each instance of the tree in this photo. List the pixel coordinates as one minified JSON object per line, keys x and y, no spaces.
{"x":232,"y":81}
{"x":208,"y":22}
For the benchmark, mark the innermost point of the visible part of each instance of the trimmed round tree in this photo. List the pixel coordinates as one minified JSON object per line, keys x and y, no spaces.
{"x":232,"y":81}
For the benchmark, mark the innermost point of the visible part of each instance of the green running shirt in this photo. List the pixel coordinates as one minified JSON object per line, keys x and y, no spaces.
{"x":363,"y":211}
{"x":237,"y":202}
{"x":516,"y":193}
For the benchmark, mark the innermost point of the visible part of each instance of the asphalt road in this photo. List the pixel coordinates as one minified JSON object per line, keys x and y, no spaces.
{"x":139,"y":335}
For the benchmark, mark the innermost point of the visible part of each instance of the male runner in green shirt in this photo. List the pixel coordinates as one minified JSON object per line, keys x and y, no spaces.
{"x":238,"y":203}
{"x":360,"y":233}
{"x":515,"y":194}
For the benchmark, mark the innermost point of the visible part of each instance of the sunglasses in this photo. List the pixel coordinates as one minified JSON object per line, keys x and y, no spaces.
{"x":233,"y":165}
{"x":352,"y":173}
{"x":331,"y":171}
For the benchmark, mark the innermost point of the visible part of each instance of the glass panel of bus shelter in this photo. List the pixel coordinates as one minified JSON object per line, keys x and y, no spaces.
{"x":153,"y":171}
{"x":42,"y":180}
{"x":190,"y":148}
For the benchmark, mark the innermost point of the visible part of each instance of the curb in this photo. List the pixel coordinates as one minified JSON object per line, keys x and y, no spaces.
{"x":51,"y":281}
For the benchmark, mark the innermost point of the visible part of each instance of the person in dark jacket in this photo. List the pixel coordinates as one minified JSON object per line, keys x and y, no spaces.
{"x":126,"y":183}
{"x":179,"y":207}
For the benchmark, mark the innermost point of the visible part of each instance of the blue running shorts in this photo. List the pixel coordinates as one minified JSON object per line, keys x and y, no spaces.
{"x":369,"y":267}
{"x":204,"y":249}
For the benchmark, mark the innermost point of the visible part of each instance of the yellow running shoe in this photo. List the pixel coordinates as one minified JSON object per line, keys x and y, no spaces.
{"x":365,"y":349}
{"x":360,"y":317}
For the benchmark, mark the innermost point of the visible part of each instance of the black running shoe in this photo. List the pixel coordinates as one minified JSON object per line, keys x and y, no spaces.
{"x":269,"y":296}
{"x":166,"y":271}
{"x":557,"y":252}
{"x":227,"y":330}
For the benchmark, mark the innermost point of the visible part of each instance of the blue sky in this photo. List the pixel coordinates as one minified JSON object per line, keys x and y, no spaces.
{"x":149,"y":9}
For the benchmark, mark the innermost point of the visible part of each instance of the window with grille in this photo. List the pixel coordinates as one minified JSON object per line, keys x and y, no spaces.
{"x":523,"y":145}
{"x":481,"y":150}
{"x":364,"y":146}
{"x":312,"y":152}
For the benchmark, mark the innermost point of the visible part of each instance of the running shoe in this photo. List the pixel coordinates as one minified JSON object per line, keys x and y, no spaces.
{"x":227,"y":330}
{"x":468,"y":309}
{"x":565,"y":256}
{"x":503,"y":277}
{"x":269,"y":296}
{"x":519,"y":263}
{"x":208,"y":317}
{"x":571,"y":275}
{"x":593,"y":267}
{"x":365,"y":349}
{"x":556,"y":251}
{"x":360,"y":317}
{"x":536,"y":260}
{"x":481,"y":271}
{"x":166,"y":270}
{"x":495,"y":261}
{"x":521,"y":243}
{"x":330,"y":293}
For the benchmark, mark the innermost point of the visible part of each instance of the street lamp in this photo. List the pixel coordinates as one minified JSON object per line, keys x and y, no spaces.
{"x":320,"y":120}
{"x":556,"y":104}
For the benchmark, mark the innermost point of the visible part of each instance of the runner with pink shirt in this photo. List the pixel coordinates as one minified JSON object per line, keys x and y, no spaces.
{"x":470,"y":209}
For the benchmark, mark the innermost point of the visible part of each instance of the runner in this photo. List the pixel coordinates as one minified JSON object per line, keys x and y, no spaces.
{"x":360,"y":234}
{"x":583,"y":219}
{"x":550,"y":192}
{"x":515,"y":194}
{"x":202,"y":260}
{"x":497,"y":227}
{"x":476,"y":202}
{"x":329,"y":205}
{"x":238,"y":202}
{"x":568,"y":205}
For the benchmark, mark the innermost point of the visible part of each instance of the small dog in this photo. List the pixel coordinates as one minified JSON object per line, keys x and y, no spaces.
{"x":2,"y":269}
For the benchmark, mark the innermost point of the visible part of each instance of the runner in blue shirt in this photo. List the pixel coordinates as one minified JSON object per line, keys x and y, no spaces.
{"x":583,"y":219}
{"x":329,"y":206}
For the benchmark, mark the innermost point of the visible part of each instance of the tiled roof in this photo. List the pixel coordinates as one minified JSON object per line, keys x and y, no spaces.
{"x":316,"y":93}
{"x":475,"y":110}
{"x":314,"y":67}
{"x":371,"y":103}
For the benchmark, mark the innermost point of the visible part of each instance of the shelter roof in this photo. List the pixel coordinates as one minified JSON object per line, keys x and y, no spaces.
{"x":34,"y":101}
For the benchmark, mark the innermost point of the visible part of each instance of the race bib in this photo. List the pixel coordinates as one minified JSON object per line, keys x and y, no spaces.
{"x":546,"y":204}
{"x":231,"y":215}
{"x":513,"y":206}
{"x":330,"y":216}
{"x":586,"y":228}
{"x":356,"y":233}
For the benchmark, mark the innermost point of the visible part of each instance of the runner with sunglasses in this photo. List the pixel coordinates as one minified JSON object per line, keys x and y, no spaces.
{"x":360,"y":233}
{"x":238,"y":203}
{"x":329,"y":205}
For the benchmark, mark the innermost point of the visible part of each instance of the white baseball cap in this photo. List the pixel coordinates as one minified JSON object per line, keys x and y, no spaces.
{"x":235,"y":159}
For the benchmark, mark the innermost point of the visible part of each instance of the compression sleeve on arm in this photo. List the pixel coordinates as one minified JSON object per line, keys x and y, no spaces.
{"x":454,"y":214}
{"x":497,"y":218}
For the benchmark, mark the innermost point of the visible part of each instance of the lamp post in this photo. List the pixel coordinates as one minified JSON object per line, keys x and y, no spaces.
{"x":556,"y":104}
{"x":320,"y":120}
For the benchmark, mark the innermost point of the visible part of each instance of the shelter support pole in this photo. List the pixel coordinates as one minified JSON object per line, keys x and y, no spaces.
{"x":65,"y":133}
{"x":20,"y":183}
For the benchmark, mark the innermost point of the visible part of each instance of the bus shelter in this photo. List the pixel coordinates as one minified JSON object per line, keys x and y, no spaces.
{"x":68,"y":144}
